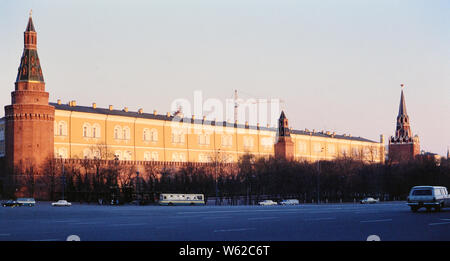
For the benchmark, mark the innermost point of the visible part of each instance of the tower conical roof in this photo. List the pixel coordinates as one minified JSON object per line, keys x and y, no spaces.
{"x":402,"y":107}
{"x":30,"y":67}
{"x":30,"y":26}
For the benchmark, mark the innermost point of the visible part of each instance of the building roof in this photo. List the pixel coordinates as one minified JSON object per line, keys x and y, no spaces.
{"x":90,"y":109}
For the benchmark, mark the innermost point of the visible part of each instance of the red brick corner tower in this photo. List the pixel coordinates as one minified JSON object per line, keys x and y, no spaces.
{"x":284,"y":148}
{"x":29,"y":118}
{"x":403,"y":146}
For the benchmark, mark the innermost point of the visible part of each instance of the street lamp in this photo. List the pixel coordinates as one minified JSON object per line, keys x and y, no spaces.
{"x":137,"y":188}
{"x":318,"y":177}
{"x":216,"y":174}
{"x":63,"y":177}
{"x":318,"y":182}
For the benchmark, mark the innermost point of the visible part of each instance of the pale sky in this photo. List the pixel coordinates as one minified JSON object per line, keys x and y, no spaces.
{"x":336,"y":65}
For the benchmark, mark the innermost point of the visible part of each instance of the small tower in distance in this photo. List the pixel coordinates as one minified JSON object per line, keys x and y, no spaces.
{"x":403,"y":146}
{"x":284,"y":147}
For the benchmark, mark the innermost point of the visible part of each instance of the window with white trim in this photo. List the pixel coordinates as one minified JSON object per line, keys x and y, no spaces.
{"x":61,"y":129}
{"x":203,"y":139}
{"x":248,"y":142}
{"x":117,"y":132}
{"x":86,"y":130}
{"x":302,"y":147}
{"x":126,"y":133}
{"x":87,"y":153}
{"x":227,"y":140}
{"x":178,"y":136}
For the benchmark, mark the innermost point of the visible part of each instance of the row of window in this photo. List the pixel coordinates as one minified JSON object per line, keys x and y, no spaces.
{"x":151,"y":135}
{"x":331,"y":149}
{"x":148,"y":156}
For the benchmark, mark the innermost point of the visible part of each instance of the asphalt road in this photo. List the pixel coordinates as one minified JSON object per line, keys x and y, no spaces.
{"x":355,"y":222}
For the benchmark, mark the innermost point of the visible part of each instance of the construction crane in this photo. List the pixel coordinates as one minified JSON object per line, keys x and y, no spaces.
{"x":236,"y":104}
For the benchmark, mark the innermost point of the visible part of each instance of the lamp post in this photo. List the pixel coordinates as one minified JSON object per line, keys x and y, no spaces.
{"x":137,"y":187}
{"x":215,"y":170}
{"x":63,"y":177}
{"x":318,"y":182}
{"x":318,"y":177}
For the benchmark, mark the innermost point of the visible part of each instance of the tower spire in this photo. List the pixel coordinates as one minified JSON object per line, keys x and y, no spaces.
{"x":402,"y":107}
{"x":403,"y":130}
{"x":30,"y":67}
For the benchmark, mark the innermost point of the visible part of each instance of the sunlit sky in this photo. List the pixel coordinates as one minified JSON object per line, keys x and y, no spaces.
{"x":336,"y":65}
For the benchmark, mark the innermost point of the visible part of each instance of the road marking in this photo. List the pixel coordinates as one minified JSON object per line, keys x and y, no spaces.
{"x":87,"y":223}
{"x":233,"y":230}
{"x":441,"y":223}
{"x":51,"y":239}
{"x":261,"y":218}
{"x":128,"y":224}
{"x":215,"y":217}
{"x":319,"y":219}
{"x":377,"y":220}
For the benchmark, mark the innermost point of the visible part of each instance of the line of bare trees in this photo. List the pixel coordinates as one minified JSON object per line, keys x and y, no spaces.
{"x":251,"y":179}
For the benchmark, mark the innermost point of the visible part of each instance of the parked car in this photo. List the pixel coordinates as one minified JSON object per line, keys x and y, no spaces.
{"x":267,"y":202}
{"x":435,"y":197}
{"x":10,"y":203}
{"x":61,"y":203}
{"x":26,"y":202}
{"x":289,"y":202}
{"x":369,"y":201}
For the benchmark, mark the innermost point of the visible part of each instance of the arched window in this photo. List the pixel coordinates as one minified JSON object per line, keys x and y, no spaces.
{"x":96,"y":131}
{"x":117,"y":133}
{"x":302,"y":147}
{"x":126,"y":133}
{"x":86,"y":130}
{"x":331,"y":148}
{"x":127,"y":155}
{"x":178,"y":136}
{"x":154,"y":135}
{"x":147,"y":156}
{"x":155,"y":156}
{"x":203,"y":139}
{"x":62,"y":153}
{"x":118,"y":154}
{"x":203,"y":158}
{"x":146,"y":135}
{"x":248,"y":142}
{"x":61,"y":129}
{"x":96,"y":154}
{"x":87,"y":154}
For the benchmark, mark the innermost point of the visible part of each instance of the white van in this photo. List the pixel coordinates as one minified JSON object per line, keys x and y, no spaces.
{"x":429,"y":197}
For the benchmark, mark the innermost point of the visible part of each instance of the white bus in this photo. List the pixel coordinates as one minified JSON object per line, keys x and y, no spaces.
{"x":171,"y":199}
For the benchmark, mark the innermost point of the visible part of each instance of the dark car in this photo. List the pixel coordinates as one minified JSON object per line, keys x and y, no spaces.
{"x":10,"y":203}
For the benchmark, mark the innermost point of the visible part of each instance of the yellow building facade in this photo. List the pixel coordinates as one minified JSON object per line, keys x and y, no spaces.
{"x":106,"y":133}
